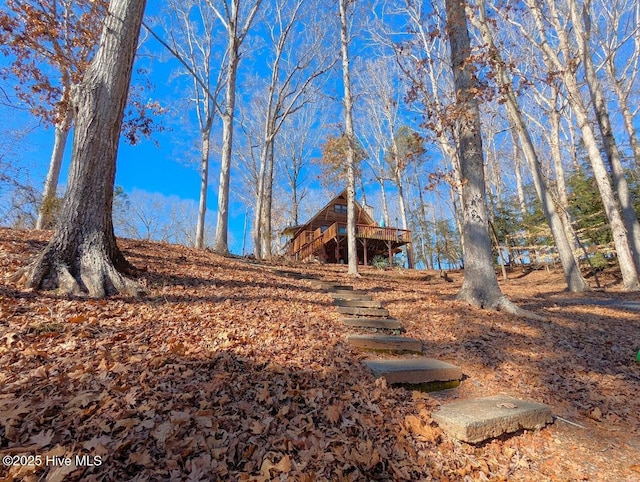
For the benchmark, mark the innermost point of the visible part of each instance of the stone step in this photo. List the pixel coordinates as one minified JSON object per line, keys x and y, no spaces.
{"x":333,"y":288}
{"x":385,"y":343}
{"x":354,"y":310}
{"x":319,"y":282}
{"x":340,"y":290}
{"x":479,"y":419}
{"x":413,"y":370}
{"x":378,"y":323}
{"x":290,"y":274}
{"x":358,"y":303}
{"x":337,"y":296}
{"x":318,"y":285}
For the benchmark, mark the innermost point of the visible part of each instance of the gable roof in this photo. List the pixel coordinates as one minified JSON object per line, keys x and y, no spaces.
{"x":362,"y":217}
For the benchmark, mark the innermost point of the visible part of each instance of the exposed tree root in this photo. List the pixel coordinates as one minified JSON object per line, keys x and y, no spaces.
{"x":92,"y":274}
{"x":499,"y":303}
{"x":507,"y":305}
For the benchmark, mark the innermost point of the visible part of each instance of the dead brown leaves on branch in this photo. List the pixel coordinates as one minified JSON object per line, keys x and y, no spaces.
{"x":227,"y":371}
{"x":50,"y":44}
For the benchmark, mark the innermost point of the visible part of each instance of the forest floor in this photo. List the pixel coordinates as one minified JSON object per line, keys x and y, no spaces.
{"x":228,"y":371}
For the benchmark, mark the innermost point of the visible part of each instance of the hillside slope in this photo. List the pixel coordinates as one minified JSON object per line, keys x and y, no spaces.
{"x":228,"y":371}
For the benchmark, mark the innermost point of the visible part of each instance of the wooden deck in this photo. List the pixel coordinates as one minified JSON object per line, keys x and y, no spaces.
{"x":309,"y":242}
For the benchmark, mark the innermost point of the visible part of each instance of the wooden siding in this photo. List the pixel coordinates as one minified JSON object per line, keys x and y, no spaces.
{"x":315,"y":240}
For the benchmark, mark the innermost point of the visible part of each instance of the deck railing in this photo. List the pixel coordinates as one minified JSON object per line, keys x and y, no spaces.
{"x":316,"y":239}
{"x":385,"y":234}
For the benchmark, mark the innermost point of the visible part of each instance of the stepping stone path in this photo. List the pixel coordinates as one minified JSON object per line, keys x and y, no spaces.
{"x":470,"y":421}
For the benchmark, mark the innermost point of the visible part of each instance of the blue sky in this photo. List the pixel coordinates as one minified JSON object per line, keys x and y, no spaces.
{"x":167,"y":164}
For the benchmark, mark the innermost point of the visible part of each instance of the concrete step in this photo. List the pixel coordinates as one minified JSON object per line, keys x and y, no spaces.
{"x":385,"y":343}
{"x":378,"y":323}
{"x":350,"y":296}
{"x":479,"y":419}
{"x":413,"y":370}
{"x":358,"y":303}
{"x":354,"y":310}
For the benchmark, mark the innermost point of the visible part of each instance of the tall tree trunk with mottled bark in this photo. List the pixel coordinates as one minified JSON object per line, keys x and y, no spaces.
{"x":229,"y":15}
{"x":220,"y":244}
{"x":349,"y":132}
{"x":480,"y":286}
{"x":83,"y":257}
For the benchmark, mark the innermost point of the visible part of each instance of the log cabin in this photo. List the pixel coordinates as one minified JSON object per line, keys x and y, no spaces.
{"x":324,"y":236}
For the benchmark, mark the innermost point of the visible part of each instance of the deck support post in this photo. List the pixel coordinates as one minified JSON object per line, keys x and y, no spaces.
{"x":364,"y":250}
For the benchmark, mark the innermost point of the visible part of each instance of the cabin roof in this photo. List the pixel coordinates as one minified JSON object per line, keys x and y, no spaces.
{"x":362,"y":216}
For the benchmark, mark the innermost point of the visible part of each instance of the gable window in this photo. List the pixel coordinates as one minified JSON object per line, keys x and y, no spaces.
{"x":340,"y":208}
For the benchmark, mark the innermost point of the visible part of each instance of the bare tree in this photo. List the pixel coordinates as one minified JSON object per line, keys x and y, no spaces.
{"x":374,"y":133}
{"x":294,"y":151}
{"x":297,"y":43}
{"x":617,"y":35}
{"x":573,"y":277}
{"x":237,"y":18}
{"x":351,"y":141}
{"x":391,"y":143}
{"x":191,"y":30}
{"x":562,"y":61}
{"x":83,"y":256}
{"x":431,"y":92}
{"x":582,"y":29}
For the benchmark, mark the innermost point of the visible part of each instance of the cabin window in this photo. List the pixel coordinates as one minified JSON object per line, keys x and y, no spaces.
{"x":323,"y":228}
{"x":340,"y":208}
{"x":342,"y":230}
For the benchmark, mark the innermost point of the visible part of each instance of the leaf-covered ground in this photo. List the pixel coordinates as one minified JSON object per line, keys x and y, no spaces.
{"x":228,"y":371}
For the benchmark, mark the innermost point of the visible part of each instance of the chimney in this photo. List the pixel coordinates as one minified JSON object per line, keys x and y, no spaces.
{"x":369,"y":210}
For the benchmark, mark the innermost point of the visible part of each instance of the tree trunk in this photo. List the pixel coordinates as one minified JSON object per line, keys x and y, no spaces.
{"x":82,"y":257}
{"x":611,"y":150}
{"x":352,"y":248}
{"x":522,"y":202}
{"x":263,"y":173}
{"x":554,"y":140}
{"x":295,"y":205}
{"x":47,"y":208}
{"x":623,"y":251}
{"x":204,"y":184}
{"x":385,"y":208}
{"x":480,"y":286}
{"x":265,"y":217}
{"x":258,"y":210}
{"x":220,"y":244}
{"x":423,"y":221}
{"x":558,"y":167}
{"x":403,"y":216}
{"x":625,"y":112}
{"x":573,"y":277}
